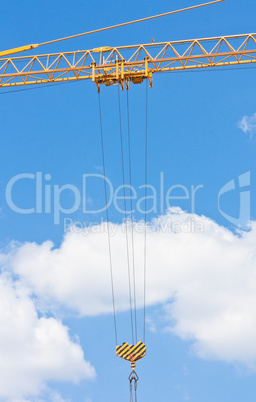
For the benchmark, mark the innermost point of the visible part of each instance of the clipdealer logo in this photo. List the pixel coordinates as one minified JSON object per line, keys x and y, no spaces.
{"x":49,"y":198}
{"x":242,"y":221}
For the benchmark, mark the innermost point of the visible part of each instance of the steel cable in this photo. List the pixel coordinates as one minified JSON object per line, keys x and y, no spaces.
{"x":131,"y":205}
{"x":126,"y":228}
{"x":145,"y":217}
{"x":107,"y":217}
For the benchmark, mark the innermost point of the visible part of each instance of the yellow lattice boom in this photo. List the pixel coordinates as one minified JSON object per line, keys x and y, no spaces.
{"x":125,"y":64}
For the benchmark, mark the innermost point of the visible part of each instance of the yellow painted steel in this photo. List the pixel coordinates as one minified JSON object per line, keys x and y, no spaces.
{"x":125,"y":64}
{"x":131,"y":353}
{"x":101,"y":49}
{"x":18,"y":50}
{"x":133,"y":22}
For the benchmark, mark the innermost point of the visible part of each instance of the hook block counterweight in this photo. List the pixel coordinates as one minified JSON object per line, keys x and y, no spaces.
{"x":131,"y":353}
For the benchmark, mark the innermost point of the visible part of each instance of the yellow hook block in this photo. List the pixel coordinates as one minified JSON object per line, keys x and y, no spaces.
{"x":131,"y":353}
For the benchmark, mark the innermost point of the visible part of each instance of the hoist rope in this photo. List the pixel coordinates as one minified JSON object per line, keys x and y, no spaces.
{"x":107,"y":217}
{"x":130,"y":22}
{"x":133,"y":378}
{"x":131,"y":394}
{"x":131,"y":205}
{"x":145,"y":217}
{"x":125,"y":209}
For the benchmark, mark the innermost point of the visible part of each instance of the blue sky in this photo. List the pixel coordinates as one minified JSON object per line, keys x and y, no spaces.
{"x":55,"y":290}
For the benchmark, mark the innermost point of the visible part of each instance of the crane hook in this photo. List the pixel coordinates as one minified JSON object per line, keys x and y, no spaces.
{"x":133,"y":377}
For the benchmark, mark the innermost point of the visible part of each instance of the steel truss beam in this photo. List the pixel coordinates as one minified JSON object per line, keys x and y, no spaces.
{"x":110,"y":65}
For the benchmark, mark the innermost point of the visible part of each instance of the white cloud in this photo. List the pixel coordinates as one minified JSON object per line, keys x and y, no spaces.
{"x":248,"y":125}
{"x":205,"y":279}
{"x":33,"y":350}
{"x":150,"y":324}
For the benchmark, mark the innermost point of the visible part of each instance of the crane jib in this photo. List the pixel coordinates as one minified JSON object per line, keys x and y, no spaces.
{"x":128,"y":64}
